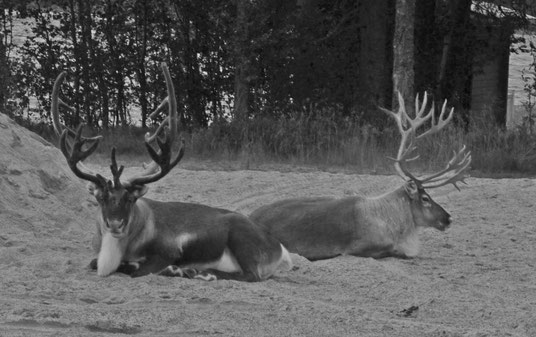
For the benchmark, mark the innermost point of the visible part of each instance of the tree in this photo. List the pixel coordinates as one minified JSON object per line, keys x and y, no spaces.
{"x":403,"y":52}
{"x":4,"y":65}
{"x":241,"y":86}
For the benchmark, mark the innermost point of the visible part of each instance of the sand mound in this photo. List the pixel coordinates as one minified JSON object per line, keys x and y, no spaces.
{"x":42,"y":203}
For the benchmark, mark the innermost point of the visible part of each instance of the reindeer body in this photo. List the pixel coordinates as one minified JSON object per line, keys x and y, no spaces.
{"x":380,"y":226}
{"x":218,"y":241}
{"x":138,"y":236}
{"x":322,"y":228}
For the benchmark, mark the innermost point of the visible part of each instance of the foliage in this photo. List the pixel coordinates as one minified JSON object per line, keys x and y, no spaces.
{"x":112,"y":51}
{"x":313,"y":89}
{"x":329,"y":140}
{"x":295,"y":53}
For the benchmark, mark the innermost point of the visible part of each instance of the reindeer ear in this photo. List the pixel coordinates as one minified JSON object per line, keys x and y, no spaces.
{"x":412,"y":189}
{"x":138,"y":191}
{"x":92,"y":189}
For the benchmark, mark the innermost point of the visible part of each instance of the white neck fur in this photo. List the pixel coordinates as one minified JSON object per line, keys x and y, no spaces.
{"x":110,"y":255}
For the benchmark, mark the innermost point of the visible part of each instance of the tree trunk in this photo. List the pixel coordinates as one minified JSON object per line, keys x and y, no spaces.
{"x":375,"y":84}
{"x":241,"y":69}
{"x":142,"y":72}
{"x":403,"y":52}
{"x":4,"y":74}
{"x":84,"y":17}
{"x":75,"y":120}
{"x":427,"y":46}
{"x":454,"y":73}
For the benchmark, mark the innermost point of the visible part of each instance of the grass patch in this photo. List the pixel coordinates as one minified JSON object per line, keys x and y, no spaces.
{"x":326,"y":140}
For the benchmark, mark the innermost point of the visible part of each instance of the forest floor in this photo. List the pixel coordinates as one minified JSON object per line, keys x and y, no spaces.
{"x":475,"y":279}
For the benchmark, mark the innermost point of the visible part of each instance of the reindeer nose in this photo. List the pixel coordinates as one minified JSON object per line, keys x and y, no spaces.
{"x":116,"y":224}
{"x":449,"y":220}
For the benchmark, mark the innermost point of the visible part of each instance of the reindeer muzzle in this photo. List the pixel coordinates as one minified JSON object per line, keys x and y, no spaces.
{"x":116,"y":227}
{"x":443,"y":225}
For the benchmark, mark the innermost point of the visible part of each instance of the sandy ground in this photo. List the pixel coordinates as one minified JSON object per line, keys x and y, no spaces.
{"x":476,"y":279}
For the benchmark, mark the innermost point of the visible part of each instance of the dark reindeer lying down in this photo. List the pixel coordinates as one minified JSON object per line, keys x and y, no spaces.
{"x":138,"y":236}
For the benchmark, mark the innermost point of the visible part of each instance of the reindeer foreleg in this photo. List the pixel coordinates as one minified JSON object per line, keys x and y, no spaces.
{"x":126,"y":267}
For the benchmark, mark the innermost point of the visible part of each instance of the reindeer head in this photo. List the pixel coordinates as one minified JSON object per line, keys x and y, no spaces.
{"x":116,"y":199}
{"x":426,"y":212}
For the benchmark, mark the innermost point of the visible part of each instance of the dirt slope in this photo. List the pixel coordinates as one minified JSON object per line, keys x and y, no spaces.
{"x":477,"y":279}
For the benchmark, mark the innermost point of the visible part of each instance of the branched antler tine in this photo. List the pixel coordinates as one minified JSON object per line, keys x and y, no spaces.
{"x":71,"y":142}
{"x":407,"y":152}
{"x":406,"y":131}
{"x":55,"y":102}
{"x":403,"y":171}
{"x":159,"y":108}
{"x":441,"y":121}
{"x":161,"y":170}
{"x":402,"y":157}
{"x":420,"y":116}
{"x":419,"y":110}
{"x":75,"y":155}
{"x":453,"y":173}
{"x":172,"y":105}
{"x":152,"y":153}
{"x":459,"y":162}
{"x":116,"y":172}
{"x":389,"y":112}
{"x":443,"y":109}
{"x":164,"y":144}
{"x":455,"y":169}
{"x":456,"y":159}
{"x":402,"y":118}
{"x":63,"y":145}
{"x":459,"y":176}
{"x":408,"y":159}
{"x":171,"y":102}
{"x":65,"y":105}
{"x":79,"y":142}
{"x":162,"y":162}
{"x":149,"y":138}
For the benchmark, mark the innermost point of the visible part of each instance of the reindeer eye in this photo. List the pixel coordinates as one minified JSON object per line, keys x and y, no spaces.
{"x":425,"y":198}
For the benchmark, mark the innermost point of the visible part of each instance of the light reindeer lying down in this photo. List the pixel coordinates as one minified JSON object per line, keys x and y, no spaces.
{"x":382,"y":226}
{"x":137,"y":235}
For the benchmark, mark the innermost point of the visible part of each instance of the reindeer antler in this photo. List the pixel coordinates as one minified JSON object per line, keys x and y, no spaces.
{"x":455,"y":170}
{"x":72,"y":143}
{"x":162,"y":162}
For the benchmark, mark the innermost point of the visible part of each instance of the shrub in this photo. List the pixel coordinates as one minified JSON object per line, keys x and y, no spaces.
{"x":326,"y":138}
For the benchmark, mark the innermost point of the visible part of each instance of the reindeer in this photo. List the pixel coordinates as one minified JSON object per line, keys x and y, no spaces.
{"x":138,"y":236}
{"x":381,"y":226}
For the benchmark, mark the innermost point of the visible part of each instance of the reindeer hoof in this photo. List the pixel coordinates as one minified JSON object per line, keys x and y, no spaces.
{"x":172,"y":271}
{"x":128,"y":267}
{"x":199,"y":274}
{"x":191,"y":273}
{"x":205,"y":276}
{"x":93,"y":264}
